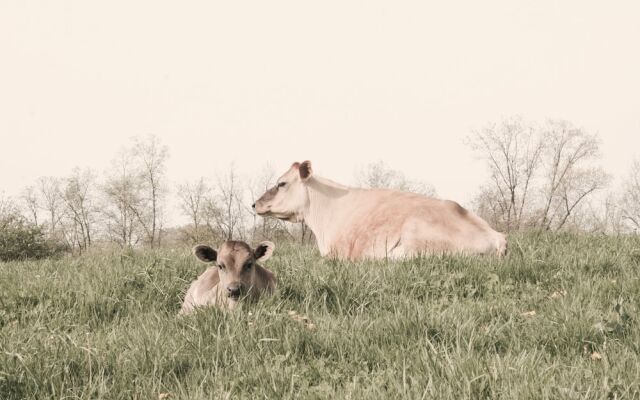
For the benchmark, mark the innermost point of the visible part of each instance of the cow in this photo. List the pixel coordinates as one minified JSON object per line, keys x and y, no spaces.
{"x":235,"y":275}
{"x":355,"y":224}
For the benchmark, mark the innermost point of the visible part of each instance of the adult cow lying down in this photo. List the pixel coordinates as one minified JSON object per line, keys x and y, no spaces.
{"x":351,"y":223}
{"x":235,"y":275}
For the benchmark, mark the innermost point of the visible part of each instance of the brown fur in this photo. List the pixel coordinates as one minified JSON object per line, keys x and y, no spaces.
{"x":230,"y":271}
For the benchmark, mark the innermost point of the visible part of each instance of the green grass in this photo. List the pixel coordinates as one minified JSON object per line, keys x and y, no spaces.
{"x":105,"y":326}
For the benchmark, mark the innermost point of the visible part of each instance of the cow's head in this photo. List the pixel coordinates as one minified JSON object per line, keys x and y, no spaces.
{"x":236,"y":263}
{"x":289,"y":197}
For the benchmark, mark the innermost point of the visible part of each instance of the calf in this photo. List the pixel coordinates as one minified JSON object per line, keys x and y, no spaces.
{"x":235,"y":275}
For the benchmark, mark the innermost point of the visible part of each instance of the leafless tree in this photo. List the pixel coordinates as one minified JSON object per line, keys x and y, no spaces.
{"x":122,"y":202}
{"x":379,"y":175}
{"x":611,"y":215}
{"x":225,"y":211}
{"x":489,"y":205}
{"x":193,"y":196}
{"x":31,"y":203}
{"x":513,"y":152}
{"x":79,"y":199}
{"x":575,"y":190}
{"x":51,"y":202}
{"x":152,"y":156}
{"x":602,"y":214}
{"x":569,"y":175}
{"x":539,"y":176}
{"x":630,"y":202}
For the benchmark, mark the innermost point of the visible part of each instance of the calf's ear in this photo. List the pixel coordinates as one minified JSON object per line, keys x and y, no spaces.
{"x":305,"y":170}
{"x":205,"y":253}
{"x":264,"y":251}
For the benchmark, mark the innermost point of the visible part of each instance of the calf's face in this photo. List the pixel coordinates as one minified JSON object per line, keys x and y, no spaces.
{"x":236,"y":263}
{"x":289,"y":197}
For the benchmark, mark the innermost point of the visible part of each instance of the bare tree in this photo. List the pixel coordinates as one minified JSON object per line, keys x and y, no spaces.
{"x":152,"y":156}
{"x":193,"y":197}
{"x":539,"y":176}
{"x":79,"y":198}
{"x":379,"y":175}
{"x":31,"y":202}
{"x":574,"y":191}
{"x":630,"y":201}
{"x":513,"y":153}
{"x":122,"y":202}
{"x":611,"y":215}
{"x":602,"y":213}
{"x":51,"y":202}
{"x":568,"y":176}
{"x":489,"y":204}
{"x":226,"y":211}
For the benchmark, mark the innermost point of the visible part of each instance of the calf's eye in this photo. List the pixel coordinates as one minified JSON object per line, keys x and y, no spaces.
{"x":281,"y":184}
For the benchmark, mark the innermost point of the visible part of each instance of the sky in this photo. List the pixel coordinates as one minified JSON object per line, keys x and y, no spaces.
{"x":341,"y":83}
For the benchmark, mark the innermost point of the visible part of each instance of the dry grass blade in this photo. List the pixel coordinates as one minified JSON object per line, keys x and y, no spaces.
{"x":528,"y":314}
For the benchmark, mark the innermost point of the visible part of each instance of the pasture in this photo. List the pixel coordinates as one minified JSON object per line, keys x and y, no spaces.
{"x":556,"y":318}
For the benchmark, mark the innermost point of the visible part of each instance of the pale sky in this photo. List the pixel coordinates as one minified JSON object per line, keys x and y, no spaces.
{"x":342,"y":83}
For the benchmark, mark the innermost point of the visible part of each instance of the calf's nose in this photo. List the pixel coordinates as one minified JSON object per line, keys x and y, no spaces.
{"x":253,"y":206}
{"x":233,"y":290}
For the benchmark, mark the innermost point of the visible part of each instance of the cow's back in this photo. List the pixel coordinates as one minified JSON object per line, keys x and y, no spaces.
{"x":386,"y":223}
{"x":447,"y":227}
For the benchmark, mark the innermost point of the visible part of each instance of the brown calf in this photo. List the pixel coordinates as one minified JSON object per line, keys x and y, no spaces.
{"x":235,"y":275}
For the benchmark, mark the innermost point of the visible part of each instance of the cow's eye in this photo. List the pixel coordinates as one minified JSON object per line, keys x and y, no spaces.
{"x":248,"y":266}
{"x":220,"y":266}
{"x":281,"y":184}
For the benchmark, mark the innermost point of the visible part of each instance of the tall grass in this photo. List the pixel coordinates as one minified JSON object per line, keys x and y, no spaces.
{"x":556,"y":318}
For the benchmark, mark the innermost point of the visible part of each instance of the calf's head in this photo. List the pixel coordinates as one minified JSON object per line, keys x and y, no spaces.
{"x":236,"y":263}
{"x":289,"y":197}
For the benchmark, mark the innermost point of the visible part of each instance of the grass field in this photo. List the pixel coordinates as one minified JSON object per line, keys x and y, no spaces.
{"x":556,"y":318}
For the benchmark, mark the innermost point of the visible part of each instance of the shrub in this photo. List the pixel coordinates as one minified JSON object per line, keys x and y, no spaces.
{"x":20,"y":240}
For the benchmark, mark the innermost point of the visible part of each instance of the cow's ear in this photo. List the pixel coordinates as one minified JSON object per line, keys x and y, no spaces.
{"x":205,"y":253}
{"x":305,"y":170}
{"x":264,"y":251}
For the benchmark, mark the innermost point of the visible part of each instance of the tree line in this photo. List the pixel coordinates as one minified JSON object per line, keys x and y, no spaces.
{"x":548,"y":177}
{"x":544,"y":177}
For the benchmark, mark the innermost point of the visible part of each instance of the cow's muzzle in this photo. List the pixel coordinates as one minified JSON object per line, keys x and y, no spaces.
{"x":260,"y":208}
{"x":234,"y":291}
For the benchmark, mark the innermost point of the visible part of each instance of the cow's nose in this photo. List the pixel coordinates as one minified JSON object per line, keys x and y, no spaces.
{"x":253,"y":206}
{"x":233,"y":290}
